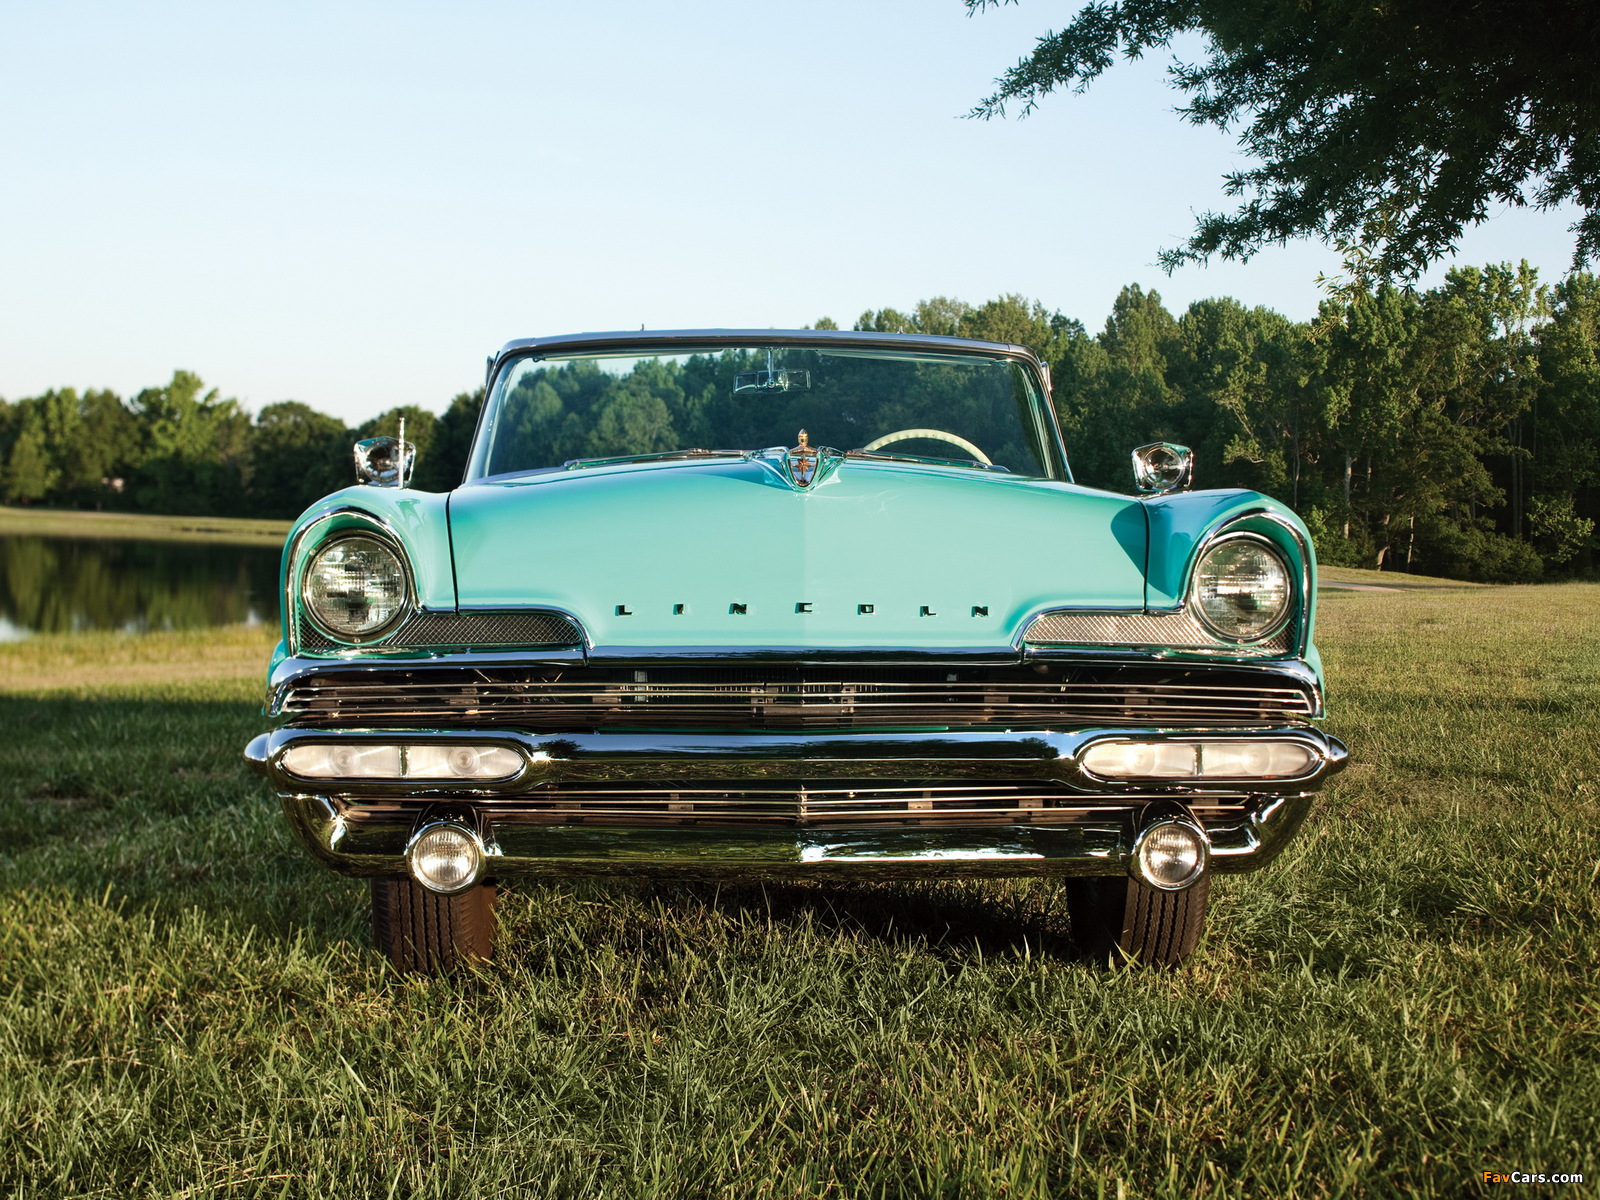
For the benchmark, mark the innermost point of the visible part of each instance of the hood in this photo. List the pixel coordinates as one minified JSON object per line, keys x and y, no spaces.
{"x":729,"y":553}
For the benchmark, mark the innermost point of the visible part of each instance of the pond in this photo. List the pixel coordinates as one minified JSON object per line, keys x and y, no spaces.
{"x":61,"y":585}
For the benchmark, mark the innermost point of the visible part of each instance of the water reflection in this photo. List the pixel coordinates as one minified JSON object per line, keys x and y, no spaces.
{"x":58,"y":585}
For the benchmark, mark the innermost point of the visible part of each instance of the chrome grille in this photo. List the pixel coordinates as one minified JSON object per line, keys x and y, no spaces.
{"x":1180,"y":629}
{"x":801,"y":806}
{"x":585,"y":699}
{"x":448,"y":630}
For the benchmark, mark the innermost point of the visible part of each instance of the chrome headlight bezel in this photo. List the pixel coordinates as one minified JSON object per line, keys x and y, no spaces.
{"x":386,"y":543}
{"x":1292,"y":600}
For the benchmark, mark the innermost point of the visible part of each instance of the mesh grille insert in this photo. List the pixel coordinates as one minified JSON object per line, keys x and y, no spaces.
{"x":449,"y":630}
{"x":1180,"y":629}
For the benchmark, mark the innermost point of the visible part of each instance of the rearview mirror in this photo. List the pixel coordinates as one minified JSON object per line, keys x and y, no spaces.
{"x":1162,"y":467}
{"x":385,"y":462}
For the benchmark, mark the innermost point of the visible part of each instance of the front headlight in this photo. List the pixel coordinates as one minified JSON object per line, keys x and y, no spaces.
{"x":354,"y":587}
{"x":1242,"y":589}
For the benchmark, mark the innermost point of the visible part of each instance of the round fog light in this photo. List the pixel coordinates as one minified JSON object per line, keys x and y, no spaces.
{"x":1170,"y":854}
{"x":446,"y":859}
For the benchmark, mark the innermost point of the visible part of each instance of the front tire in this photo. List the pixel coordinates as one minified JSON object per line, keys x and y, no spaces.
{"x":1127,"y":921}
{"x":425,"y":933}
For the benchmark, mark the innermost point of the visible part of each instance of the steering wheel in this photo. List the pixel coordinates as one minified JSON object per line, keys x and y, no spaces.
{"x":938,"y":435}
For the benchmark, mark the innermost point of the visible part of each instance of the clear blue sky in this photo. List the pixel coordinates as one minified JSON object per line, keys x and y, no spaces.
{"x":352,"y":204}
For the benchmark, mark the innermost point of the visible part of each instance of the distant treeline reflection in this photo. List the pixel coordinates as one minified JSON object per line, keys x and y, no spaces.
{"x":58,"y":585}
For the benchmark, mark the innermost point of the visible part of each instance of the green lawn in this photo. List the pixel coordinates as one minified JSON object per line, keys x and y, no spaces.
{"x":1407,"y":999}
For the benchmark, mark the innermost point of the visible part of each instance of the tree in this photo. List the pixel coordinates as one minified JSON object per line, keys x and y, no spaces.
{"x":940,"y":316}
{"x":97,"y":459}
{"x":1492,"y":316}
{"x":1415,"y":395}
{"x":297,"y":455}
{"x":193,"y":456}
{"x":1565,"y":440}
{"x":1241,"y":371}
{"x":1390,"y":126}
{"x":1011,"y":318}
{"x":1113,"y":395}
{"x":28,"y":473}
{"x":445,"y":466}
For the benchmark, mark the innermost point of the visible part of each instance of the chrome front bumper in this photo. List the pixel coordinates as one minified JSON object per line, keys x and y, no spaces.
{"x":1044,"y":755}
{"x":370,"y":840}
{"x":363,"y":828}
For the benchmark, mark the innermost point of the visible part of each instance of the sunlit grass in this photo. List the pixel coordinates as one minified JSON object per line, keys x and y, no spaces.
{"x":167,"y":661}
{"x":1406,"y":999}
{"x":1389,"y":579}
{"x":56,"y":522}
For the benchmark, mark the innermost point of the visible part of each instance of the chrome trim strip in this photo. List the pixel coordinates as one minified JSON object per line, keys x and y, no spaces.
{"x":297,"y":667}
{"x":661,"y":339}
{"x":857,"y":655}
{"x":1295,"y":668}
{"x":370,"y":842}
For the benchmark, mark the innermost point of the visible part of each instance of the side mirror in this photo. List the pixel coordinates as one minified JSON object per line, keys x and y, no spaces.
{"x":1162,"y":467}
{"x":385,"y":462}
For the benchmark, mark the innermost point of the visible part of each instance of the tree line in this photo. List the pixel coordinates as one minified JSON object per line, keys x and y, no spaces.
{"x":1453,"y":431}
{"x":184,"y":450}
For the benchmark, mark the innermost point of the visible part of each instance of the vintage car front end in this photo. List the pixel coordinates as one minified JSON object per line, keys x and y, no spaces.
{"x":793,"y":661}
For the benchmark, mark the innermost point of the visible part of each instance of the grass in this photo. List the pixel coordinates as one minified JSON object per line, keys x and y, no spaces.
{"x":1405,"y":1000}
{"x":1389,"y":579}
{"x":50,"y":522}
{"x":169,"y":661}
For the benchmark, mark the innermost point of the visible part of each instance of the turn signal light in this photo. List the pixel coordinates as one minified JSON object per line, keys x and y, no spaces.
{"x":432,"y":761}
{"x":461,"y":762}
{"x":1199,"y":760}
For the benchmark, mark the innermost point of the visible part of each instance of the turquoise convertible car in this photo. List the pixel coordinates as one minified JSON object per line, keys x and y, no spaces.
{"x":757,"y":604}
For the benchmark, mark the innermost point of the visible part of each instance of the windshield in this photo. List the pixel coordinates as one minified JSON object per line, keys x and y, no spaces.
{"x":970,"y":410}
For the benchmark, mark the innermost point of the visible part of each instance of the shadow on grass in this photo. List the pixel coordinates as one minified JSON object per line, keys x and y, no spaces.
{"x":953,"y":921}
{"x":147,"y":800}
{"x":948,"y":919}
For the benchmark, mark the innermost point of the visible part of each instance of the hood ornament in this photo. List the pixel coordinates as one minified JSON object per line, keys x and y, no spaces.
{"x":803,"y":462}
{"x":803,"y":465}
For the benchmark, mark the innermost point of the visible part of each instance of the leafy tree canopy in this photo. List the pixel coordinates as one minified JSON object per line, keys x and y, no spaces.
{"x":1386,"y":127}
